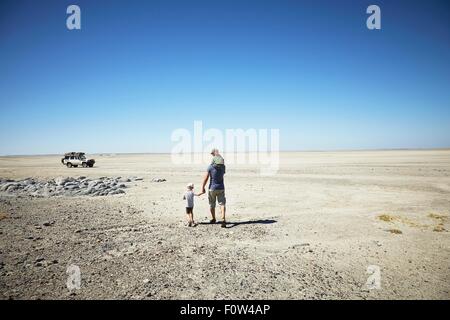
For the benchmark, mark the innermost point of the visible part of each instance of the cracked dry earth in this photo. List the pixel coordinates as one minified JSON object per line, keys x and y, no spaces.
{"x":309,"y":232}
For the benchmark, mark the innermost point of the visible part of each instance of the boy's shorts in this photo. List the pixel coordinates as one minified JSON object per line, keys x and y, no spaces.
{"x":189,"y":210}
{"x":216,"y":194}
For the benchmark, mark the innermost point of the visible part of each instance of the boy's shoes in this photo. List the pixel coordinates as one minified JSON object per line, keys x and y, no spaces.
{"x":212,"y":221}
{"x":189,"y":224}
{"x":223,"y":224}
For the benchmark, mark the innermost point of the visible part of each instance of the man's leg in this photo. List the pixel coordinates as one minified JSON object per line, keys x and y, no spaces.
{"x":212,"y":206}
{"x":223,"y":209}
{"x":222,"y":201}
{"x":213,"y":213}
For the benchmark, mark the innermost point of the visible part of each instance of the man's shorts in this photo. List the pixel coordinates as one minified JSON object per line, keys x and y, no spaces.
{"x":218,"y":195}
{"x":189,"y":210}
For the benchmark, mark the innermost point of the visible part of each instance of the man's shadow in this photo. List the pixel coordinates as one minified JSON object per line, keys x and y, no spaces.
{"x":238,"y":223}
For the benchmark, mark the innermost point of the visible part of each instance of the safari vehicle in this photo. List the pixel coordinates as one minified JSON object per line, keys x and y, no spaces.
{"x":75,"y":159}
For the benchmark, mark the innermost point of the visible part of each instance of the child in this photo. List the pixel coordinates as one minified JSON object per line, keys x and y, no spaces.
{"x":217,"y":159}
{"x":189,"y":197}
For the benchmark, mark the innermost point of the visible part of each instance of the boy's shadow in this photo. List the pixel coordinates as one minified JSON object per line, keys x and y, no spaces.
{"x":238,"y":223}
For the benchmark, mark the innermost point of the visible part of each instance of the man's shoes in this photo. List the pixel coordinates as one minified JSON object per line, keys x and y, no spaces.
{"x":212,"y":221}
{"x":223,"y":224}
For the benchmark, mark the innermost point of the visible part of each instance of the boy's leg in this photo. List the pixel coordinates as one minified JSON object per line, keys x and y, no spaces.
{"x":192,"y":218}
{"x":189,"y":215}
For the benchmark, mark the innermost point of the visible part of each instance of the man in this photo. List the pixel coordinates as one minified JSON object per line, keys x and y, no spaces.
{"x":216,"y":190}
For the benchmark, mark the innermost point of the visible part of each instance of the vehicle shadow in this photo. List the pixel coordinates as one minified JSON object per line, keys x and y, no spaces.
{"x":238,"y":223}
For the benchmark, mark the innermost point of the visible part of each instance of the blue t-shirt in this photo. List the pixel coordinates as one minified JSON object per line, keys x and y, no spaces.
{"x":216,"y":177}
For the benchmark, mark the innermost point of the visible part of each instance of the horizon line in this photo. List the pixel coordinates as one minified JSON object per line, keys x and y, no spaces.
{"x":225,"y":152}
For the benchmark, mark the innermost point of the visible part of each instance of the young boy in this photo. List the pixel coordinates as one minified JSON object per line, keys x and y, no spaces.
{"x":217,"y":159}
{"x":189,"y":197}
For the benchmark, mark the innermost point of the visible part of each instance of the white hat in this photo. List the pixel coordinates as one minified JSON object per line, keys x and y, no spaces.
{"x":190,"y":185}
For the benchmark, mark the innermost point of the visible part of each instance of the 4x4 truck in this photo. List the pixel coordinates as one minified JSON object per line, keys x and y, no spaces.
{"x":75,"y":159}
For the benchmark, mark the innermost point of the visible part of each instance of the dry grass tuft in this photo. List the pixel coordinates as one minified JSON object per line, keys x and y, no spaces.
{"x":439,"y":228}
{"x":437,"y":216}
{"x":386,"y":218}
{"x":440,"y":219}
{"x":395,"y":231}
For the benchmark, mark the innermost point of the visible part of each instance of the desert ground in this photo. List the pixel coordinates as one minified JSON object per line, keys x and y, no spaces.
{"x":311,"y":231}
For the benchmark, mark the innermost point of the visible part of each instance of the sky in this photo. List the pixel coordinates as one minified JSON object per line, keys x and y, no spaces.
{"x":138,"y":70}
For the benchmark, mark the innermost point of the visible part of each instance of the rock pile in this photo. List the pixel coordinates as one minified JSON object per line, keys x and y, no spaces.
{"x":68,"y":186}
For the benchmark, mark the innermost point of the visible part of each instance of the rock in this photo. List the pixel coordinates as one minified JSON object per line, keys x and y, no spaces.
{"x":48,"y":223}
{"x":68,"y":187}
{"x":158,"y":180}
{"x":118,"y":191}
{"x":60,"y":181}
{"x":295,"y":246}
{"x":10,"y":187}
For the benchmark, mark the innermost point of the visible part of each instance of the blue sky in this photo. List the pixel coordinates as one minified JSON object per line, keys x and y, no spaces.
{"x":137,"y":70}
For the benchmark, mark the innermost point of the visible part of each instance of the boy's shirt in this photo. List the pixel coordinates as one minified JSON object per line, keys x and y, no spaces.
{"x":189,"y":197}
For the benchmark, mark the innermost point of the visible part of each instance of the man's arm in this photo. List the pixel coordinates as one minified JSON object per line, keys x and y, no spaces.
{"x":205,"y":180}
